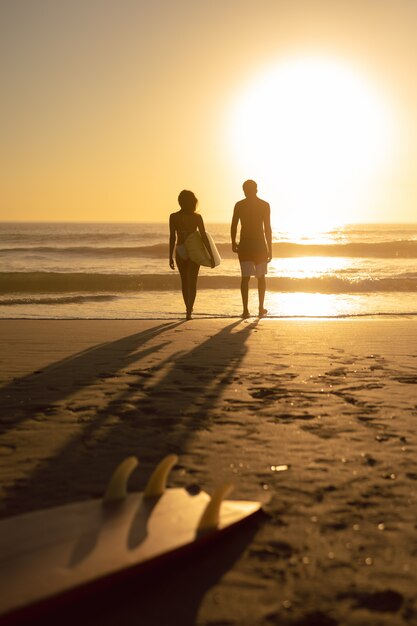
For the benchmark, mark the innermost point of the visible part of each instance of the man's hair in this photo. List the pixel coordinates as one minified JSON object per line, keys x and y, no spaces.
{"x":187,"y":201}
{"x":250,"y":187}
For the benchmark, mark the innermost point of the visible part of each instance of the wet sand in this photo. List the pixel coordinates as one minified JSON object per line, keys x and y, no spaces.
{"x":317,"y":416}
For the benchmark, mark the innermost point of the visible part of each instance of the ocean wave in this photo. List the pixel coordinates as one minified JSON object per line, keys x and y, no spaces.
{"x":54,"y":315}
{"x":158,"y":250}
{"x":78,"y":282}
{"x":405,"y":249}
{"x":389,"y":249}
{"x":74,"y":299}
{"x":31,"y":237}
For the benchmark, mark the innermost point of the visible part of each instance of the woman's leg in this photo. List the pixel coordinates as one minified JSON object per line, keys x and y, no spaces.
{"x":182,"y":268}
{"x":189,"y":273}
{"x":193,"y":270}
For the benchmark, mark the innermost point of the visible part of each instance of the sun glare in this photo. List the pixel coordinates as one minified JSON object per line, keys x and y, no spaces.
{"x":317,"y":135}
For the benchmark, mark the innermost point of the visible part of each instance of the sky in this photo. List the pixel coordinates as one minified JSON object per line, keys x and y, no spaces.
{"x":110,"y":108}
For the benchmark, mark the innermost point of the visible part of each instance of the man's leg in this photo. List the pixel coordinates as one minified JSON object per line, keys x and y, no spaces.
{"x":244,"y":290}
{"x":261,"y":295}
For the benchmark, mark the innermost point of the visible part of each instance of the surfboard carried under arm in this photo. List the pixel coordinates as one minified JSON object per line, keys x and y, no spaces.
{"x":50,"y":555}
{"x":197,"y":251}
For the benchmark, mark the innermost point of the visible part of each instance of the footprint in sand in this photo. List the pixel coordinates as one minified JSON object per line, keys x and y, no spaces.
{"x":290,"y":417}
{"x":275,"y":550}
{"x":74,"y":408}
{"x":321,"y":432}
{"x":406,"y":380}
{"x":339,"y":371}
{"x":388,"y":601}
{"x":263,"y":392}
{"x":7,"y":450}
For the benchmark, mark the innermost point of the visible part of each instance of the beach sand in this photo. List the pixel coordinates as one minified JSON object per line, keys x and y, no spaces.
{"x":316,"y":416}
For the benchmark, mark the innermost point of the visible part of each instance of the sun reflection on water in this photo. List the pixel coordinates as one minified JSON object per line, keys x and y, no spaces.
{"x":308,"y":267}
{"x":311,"y":304}
{"x":302,"y":235}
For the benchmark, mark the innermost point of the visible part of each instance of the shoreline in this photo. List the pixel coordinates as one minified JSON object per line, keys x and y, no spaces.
{"x":207,"y":317}
{"x":330,"y":402}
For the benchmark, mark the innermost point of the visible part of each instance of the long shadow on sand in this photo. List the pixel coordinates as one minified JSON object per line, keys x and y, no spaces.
{"x":40,"y":391}
{"x":154,"y":413}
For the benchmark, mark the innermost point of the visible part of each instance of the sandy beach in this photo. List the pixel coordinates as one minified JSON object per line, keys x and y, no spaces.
{"x":314,"y":417}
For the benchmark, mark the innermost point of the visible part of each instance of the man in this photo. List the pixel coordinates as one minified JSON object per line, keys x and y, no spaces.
{"x":255,"y":245}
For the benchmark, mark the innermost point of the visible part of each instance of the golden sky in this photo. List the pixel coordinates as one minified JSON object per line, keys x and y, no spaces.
{"x":110,"y":108}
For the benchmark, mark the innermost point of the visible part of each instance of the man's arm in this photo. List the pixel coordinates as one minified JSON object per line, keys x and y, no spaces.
{"x":268,"y":231}
{"x":171,"y":241}
{"x":233,"y":228}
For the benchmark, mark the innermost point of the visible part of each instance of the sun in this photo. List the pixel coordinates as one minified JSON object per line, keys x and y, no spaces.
{"x":316,"y":134}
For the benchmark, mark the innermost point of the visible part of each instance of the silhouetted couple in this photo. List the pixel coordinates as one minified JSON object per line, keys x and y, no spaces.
{"x":254,"y":248}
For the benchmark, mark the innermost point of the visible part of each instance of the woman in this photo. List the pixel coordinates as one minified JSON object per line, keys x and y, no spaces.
{"x":181,"y":224}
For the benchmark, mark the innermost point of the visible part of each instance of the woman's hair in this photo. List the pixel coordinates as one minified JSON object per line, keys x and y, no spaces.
{"x":187,"y":201}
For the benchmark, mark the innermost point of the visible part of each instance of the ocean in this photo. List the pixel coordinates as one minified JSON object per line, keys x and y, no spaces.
{"x":120,"y":271}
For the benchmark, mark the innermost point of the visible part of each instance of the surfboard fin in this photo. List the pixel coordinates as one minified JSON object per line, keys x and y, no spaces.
{"x":157,"y":482}
{"x":210,"y":518}
{"x":117,"y":486}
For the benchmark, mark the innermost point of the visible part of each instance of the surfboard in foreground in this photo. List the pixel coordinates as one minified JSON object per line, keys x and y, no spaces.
{"x":46,"y":555}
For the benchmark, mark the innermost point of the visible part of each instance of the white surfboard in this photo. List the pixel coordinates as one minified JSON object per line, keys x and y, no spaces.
{"x":51,"y":556}
{"x":197,"y":250}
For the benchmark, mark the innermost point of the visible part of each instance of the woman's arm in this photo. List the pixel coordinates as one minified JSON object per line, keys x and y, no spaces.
{"x":171,"y":241}
{"x":201,"y":228}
